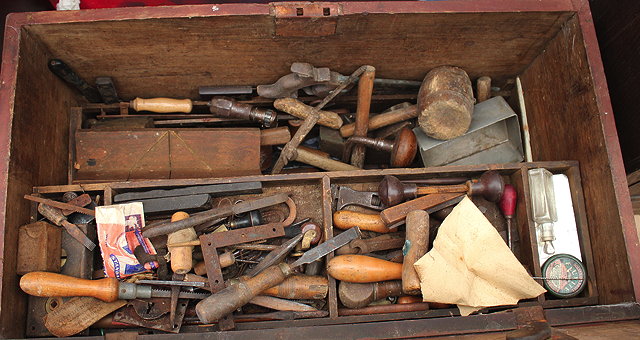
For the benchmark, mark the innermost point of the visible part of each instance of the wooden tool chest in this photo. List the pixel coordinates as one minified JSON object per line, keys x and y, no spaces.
{"x":170,"y":51}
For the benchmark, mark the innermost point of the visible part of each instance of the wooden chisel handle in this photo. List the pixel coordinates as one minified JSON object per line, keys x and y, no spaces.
{"x":162,"y":105}
{"x":346,"y":219}
{"x":441,"y":189}
{"x":235,"y":296}
{"x":45,"y":284}
{"x":303,"y":155}
{"x":363,"y":269}
{"x":382,"y":120}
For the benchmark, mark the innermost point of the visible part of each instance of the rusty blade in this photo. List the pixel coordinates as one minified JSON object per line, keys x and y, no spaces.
{"x":275,"y":256}
{"x":328,"y":246}
{"x":205,"y":216}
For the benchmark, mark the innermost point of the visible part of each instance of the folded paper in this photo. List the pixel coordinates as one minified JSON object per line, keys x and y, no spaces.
{"x":471,"y":266}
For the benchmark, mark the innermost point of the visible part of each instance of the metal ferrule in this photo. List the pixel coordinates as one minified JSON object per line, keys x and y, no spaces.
{"x":265,"y":116}
{"x":129,"y":291}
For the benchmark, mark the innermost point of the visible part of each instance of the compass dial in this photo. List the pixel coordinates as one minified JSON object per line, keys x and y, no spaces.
{"x":565,"y":276}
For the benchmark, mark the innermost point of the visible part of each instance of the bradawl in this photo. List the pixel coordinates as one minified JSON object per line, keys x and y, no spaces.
{"x":344,"y":196}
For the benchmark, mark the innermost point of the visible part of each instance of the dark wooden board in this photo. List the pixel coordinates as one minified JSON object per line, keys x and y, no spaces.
{"x":160,"y":153}
{"x":562,"y":110}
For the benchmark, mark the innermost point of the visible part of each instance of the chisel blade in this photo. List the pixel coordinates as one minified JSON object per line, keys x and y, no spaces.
{"x":328,"y":246}
{"x":275,"y":256}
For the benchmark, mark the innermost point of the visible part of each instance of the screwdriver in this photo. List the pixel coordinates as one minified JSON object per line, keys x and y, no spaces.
{"x":109,"y":289}
{"x":235,"y":296}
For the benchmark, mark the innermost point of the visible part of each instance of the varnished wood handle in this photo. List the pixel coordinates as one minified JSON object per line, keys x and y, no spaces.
{"x":363,"y":269}
{"x":382,"y":120}
{"x":162,"y":105}
{"x":345,"y":219}
{"x":275,"y":136}
{"x":296,"y":108}
{"x":235,"y":296}
{"x":415,"y":246}
{"x":325,"y":163}
{"x":45,"y":284}
{"x":300,"y":287}
{"x":226,"y":260}
{"x":365,"y":90}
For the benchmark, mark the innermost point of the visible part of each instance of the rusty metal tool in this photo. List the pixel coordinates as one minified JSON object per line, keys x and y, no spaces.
{"x":275,"y":256}
{"x":195,"y":284}
{"x":230,"y":108}
{"x":152,"y":313}
{"x":210,"y":215}
{"x":60,"y":205}
{"x":365,"y":90}
{"x":382,"y":242}
{"x":358,"y":295}
{"x":229,"y":299}
{"x":289,"y":149}
{"x":175,"y":293}
{"x":345,"y":196}
{"x":214,"y":190}
{"x":392,"y":191}
{"x":210,"y":242}
{"x":74,"y":199}
{"x":66,"y":73}
{"x":403,"y":149}
{"x":55,"y":216}
{"x":108,"y":289}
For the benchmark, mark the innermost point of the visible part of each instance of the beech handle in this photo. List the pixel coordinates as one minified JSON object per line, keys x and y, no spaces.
{"x":416,"y":245}
{"x":235,"y":296}
{"x":309,"y":157}
{"x":363,"y":269}
{"x":382,"y":120}
{"x":45,"y":284}
{"x":162,"y":105}
{"x":298,"y":109}
{"x":346,"y":219}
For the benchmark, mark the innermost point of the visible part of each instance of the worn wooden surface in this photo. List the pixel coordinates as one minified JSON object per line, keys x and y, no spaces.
{"x":159,"y":153}
{"x":221,"y":46}
{"x":560,"y":81}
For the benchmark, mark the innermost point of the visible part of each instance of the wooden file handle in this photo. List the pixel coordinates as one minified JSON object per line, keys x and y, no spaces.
{"x":181,"y":257}
{"x":415,"y":247}
{"x":162,"y":105}
{"x":296,"y":108}
{"x":235,"y":296}
{"x":345,"y":219}
{"x":309,"y":157}
{"x":363,"y":269}
{"x":365,"y":90}
{"x":45,"y":284}
{"x":300,"y":287}
{"x":382,"y":120}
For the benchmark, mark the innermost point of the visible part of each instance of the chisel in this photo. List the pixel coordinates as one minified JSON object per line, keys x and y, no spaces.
{"x":233,"y":297}
{"x":109,"y":289}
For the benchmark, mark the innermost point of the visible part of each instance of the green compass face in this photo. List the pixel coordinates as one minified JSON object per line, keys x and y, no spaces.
{"x":565,"y":276}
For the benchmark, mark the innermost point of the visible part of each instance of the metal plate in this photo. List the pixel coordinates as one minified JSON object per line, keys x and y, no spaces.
{"x":152,"y":313}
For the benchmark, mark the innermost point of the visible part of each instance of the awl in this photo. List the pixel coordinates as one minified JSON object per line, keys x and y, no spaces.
{"x":233,"y":297}
{"x":109,"y":289}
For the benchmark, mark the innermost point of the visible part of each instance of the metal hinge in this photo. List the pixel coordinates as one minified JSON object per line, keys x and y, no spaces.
{"x":305,"y":19}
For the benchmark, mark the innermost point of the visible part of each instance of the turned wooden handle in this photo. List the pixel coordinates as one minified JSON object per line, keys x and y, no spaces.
{"x":296,"y":108}
{"x":345,"y":219}
{"x":181,"y":257}
{"x":365,"y":90}
{"x":415,"y":246}
{"x":483,"y":88}
{"x":275,"y":136}
{"x":45,"y":284}
{"x":162,"y":105}
{"x":300,"y":287}
{"x":304,"y":156}
{"x":382,"y":120}
{"x":235,"y":296}
{"x":226,"y":260}
{"x":363,"y":269}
